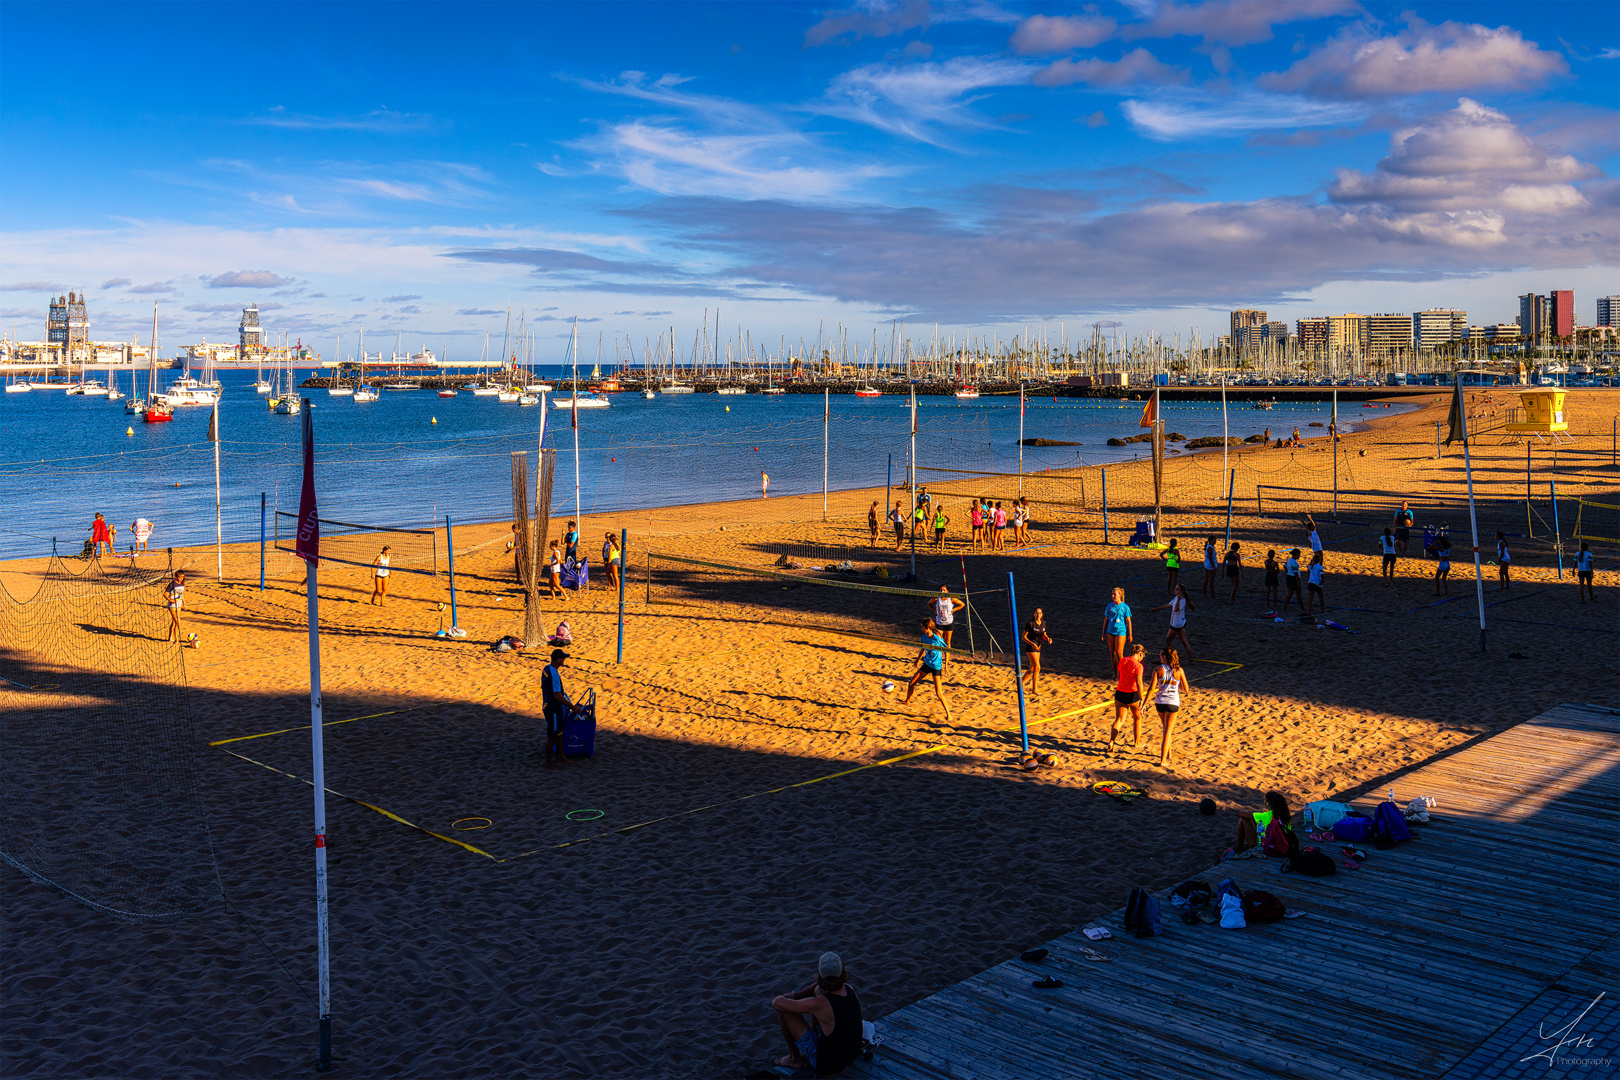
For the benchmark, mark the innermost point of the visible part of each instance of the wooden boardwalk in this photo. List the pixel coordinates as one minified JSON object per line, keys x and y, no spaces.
{"x":1405,"y":969}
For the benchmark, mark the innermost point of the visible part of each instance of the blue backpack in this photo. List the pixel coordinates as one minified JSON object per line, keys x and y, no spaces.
{"x":1142,"y":914}
{"x":1353,"y":827}
{"x":1389,"y":827}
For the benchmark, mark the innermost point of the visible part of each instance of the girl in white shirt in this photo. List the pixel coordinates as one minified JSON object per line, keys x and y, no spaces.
{"x":1503,"y":558}
{"x":1177,"y":606}
{"x":1168,"y":689}
{"x":379,"y":576}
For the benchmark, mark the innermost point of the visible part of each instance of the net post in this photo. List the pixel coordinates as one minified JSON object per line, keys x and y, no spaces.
{"x":1558,"y":537}
{"x":1105,"y":503}
{"x":450,"y":544}
{"x":624,"y":543}
{"x":1231,"y":483}
{"x":1018,"y":664}
{"x":262,"y":502}
{"x":1529,"y":526}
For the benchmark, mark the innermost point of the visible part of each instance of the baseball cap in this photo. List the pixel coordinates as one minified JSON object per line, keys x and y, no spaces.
{"x":830,"y":966}
{"x":558,"y":654}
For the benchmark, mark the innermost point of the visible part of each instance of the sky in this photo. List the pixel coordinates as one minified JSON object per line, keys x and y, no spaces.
{"x":799,"y":170}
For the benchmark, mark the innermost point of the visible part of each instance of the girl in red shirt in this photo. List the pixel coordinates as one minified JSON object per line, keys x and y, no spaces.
{"x":1128,"y":697}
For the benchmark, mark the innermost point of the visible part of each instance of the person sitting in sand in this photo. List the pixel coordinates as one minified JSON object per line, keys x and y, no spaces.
{"x":1252,"y":827}
{"x":822,"y":1022}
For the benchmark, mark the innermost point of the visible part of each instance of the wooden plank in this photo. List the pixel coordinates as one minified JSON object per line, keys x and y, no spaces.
{"x":1428,"y":920}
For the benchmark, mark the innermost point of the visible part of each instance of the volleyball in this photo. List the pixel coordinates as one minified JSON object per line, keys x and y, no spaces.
{"x":888,"y":687}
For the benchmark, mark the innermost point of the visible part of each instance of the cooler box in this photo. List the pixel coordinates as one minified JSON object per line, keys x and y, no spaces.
{"x":579,"y":730}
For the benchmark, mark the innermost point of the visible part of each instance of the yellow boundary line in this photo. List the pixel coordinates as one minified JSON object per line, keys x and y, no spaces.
{"x":307,"y":727}
{"x":1227,"y":668}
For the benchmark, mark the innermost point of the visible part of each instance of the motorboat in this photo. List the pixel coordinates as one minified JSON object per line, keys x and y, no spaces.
{"x":583,"y":401}
{"x":867,"y":391}
{"x":262,"y":387}
{"x":538,"y":388}
{"x":508,"y":396}
{"x":677,"y":390}
{"x":528,"y":399}
{"x":447,"y":393}
{"x":773,"y":390}
{"x":484,"y":390}
{"x":340,"y":391}
{"x":731,"y":391}
{"x":648,"y":395}
{"x":188,"y":391}
{"x":363,"y":393}
{"x":288,"y":405}
{"x":967,"y":393}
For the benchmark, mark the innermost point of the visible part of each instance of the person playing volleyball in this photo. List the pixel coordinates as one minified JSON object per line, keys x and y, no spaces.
{"x":379,"y":576}
{"x":930,"y":662}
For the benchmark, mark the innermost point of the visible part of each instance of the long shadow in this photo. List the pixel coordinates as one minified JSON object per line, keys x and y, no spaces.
{"x":705,"y":854}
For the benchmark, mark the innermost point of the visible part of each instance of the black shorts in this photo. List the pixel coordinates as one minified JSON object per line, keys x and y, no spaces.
{"x":1584,"y":575}
{"x":899,"y":532}
{"x":1271,"y":581}
{"x":1165,"y":709}
{"x":1403,"y":534}
{"x":1293,"y":582}
{"x":556,"y":715}
{"x":1122,"y":698}
{"x":1233,"y":572}
{"x":1389,"y":560}
{"x":938,"y":533}
{"x":1315,"y":587}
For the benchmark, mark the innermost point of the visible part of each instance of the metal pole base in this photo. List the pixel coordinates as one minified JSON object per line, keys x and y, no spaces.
{"x":325,"y":1062}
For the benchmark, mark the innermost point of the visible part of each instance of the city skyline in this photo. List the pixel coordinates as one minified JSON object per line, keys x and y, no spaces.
{"x":973,"y":165}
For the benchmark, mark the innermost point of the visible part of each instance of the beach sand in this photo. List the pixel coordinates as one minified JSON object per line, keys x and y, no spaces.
{"x":595,"y":947}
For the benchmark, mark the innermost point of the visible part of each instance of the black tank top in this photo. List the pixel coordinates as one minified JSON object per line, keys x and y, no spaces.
{"x":840,"y":1049}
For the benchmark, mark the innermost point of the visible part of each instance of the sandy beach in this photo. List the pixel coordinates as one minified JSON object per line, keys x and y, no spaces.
{"x":761,"y":798}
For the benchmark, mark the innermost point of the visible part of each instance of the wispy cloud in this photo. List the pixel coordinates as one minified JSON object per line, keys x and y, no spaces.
{"x":380,"y":120}
{"x":1195,"y":114}
{"x":215,"y":309}
{"x":914,"y":100}
{"x":479,"y":311}
{"x":1421,"y":59}
{"x":876,"y":19}
{"x":33,"y":286}
{"x":154,"y":287}
{"x":1232,"y":22}
{"x":1136,"y":68}
{"x":113,"y":283}
{"x":400,"y":299}
{"x":247,"y":279}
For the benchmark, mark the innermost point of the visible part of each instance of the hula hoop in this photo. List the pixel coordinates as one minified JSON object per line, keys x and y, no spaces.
{"x":585,"y":815}
{"x":457,"y":824}
{"x":1114,"y":787}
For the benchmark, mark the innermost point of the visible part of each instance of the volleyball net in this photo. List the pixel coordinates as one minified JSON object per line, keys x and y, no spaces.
{"x":852,"y":601}
{"x":1599,"y":521}
{"x":100,"y":799}
{"x":411,"y":551}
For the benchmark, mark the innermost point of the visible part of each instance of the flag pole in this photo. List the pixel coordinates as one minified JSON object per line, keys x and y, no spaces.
{"x":1020,"y":438}
{"x":911,"y":514}
{"x":826,"y":424}
{"x":219,"y":544}
{"x":308,"y":548}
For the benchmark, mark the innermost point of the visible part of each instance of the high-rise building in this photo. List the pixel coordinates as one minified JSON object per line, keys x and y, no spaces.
{"x":1535,"y":315}
{"x":1388,"y":334}
{"x":67,"y":327}
{"x":250,"y":335}
{"x":1608,"y":311}
{"x":1434,"y":327}
{"x":1313,"y":335}
{"x":1346,"y":336}
{"x":1561,"y":313}
{"x":1242,"y":319}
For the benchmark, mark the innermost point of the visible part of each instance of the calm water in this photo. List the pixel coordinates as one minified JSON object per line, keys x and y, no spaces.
{"x":387,"y":463}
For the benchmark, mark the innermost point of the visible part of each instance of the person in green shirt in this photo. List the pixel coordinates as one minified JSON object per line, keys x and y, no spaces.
{"x":941,"y":521}
{"x":1172,"y":566}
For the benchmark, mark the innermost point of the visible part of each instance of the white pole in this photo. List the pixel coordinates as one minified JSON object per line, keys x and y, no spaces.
{"x":826,"y":420}
{"x":579,"y":518}
{"x":322,"y":938}
{"x":1333,"y":437}
{"x":1473,"y":525}
{"x":1224,"y":432}
{"x":911,"y":520}
{"x":219,"y":544}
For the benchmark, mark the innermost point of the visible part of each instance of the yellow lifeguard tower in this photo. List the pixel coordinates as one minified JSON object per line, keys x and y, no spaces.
{"x":1541,"y":415}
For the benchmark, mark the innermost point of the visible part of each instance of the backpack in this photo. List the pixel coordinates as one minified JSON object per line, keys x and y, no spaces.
{"x":1324,"y":813}
{"x":1311,"y":863}
{"x":1232,"y":913}
{"x":1275,"y":842}
{"x":1262,"y":907}
{"x":1226,"y":888}
{"x":1389,"y":827}
{"x":1353,"y":827}
{"x":1142,"y":914}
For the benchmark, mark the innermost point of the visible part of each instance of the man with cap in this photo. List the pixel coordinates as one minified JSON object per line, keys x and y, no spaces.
{"x":555,"y":704}
{"x":822,"y":1022}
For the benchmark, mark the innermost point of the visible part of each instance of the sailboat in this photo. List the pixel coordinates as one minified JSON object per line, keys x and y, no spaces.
{"x":112,"y":386}
{"x":362,"y":392}
{"x":15,"y":387}
{"x":337,"y":389}
{"x":290,"y":403}
{"x":156,"y":409}
{"x":588,"y":401}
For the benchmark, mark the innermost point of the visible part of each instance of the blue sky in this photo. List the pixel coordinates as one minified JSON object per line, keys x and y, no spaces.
{"x":980,"y":165}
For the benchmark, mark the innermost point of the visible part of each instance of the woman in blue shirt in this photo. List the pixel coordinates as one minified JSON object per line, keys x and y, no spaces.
{"x":930,"y":662}
{"x":1116,"y":628}
{"x":1583,"y":574}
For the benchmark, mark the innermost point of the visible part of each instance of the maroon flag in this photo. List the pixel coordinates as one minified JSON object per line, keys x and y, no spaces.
{"x":308,"y":545}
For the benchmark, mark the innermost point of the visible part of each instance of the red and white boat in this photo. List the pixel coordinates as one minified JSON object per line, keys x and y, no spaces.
{"x":867,"y":391}
{"x":447,"y":393}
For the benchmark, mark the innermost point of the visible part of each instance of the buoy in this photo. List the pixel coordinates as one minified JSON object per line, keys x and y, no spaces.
{"x":435,"y":420}
{"x":177,"y":483}
{"x":728,"y":408}
{"x":130,"y":431}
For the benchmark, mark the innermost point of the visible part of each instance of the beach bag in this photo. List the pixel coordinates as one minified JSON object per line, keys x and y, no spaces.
{"x":1232,"y":913}
{"x":579,"y":730}
{"x":1226,"y":888}
{"x":1325,"y":813}
{"x":1142,"y":914}
{"x":1353,"y":827}
{"x":1275,"y":842}
{"x":1311,"y":863}
{"x":1262,"y":907}
{"x":1389,"y":827}
{"x":1190,"y":895}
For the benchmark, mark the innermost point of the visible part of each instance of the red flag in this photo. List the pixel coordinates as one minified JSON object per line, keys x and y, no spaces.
{"x":308,"y":544}
{"x":1150,"y":412}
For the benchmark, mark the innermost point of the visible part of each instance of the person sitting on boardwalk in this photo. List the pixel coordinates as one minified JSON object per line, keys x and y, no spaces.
{"x":1252,"y":827}
{"x":822,"y":1022}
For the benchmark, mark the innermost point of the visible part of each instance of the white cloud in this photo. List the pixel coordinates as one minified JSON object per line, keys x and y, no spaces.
{"x":913,"y":99}
{"x":1450,"y":56}
{"x":1134,"y":68}
{"x":1060,"y":33}
{"x":247,"y":279}
{"x":1470,"y":159}
{"x":671,"y":161}
{"x":377,"y":120}
{"x":1192,"y":114}
{"x":1233,"y":22}
{"x":874,"y":18}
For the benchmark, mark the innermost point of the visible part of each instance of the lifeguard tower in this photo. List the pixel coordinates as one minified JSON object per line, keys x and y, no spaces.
{"x":1541,"y":414}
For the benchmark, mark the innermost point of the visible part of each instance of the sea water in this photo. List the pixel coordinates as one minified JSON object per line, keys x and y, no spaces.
{"x":412,"y":457}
